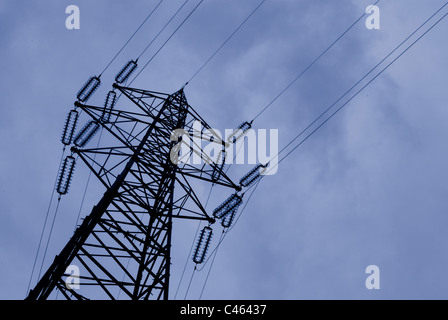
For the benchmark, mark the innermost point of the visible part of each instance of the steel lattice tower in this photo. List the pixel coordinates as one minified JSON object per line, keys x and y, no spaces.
{"x":124,"y":244}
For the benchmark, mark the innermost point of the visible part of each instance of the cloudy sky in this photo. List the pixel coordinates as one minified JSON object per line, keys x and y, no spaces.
{"x":368,"y":188}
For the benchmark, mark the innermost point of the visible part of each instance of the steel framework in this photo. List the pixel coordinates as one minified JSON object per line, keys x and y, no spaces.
{"x":124,"y":244}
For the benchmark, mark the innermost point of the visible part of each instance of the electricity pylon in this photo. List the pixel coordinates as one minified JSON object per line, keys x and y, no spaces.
{"x":124,"y":244}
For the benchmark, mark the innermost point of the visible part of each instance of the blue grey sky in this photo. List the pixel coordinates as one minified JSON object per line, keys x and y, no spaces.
{"x":369,"y":188}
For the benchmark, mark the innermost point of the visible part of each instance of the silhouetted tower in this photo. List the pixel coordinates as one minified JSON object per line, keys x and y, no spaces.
{"x":123,"y":245}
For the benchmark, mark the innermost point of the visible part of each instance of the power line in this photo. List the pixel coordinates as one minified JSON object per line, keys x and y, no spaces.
{"x":364,"y":77}
{"x":304,"y":71}
{"x":189,"y":284}
{"x":310,"y":65}
{"x":340,"y":108}
{"x":45,"y":223}
{"x":227,"y":40}
{"x":363,"y":87}
{"x":155,"y":38}
{"x":166,"y":24}
{"x":132,"y":36}
{"x":186,"y":261}
{"x":49,"y":235}
{"x":211,"y":265}
{"x":269,"y":104}
{"x":169,"y":38}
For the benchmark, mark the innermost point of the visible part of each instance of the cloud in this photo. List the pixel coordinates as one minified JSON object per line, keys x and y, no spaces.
{"x":367,"y":188}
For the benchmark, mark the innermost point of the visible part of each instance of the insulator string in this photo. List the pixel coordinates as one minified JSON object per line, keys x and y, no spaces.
{"x":88,"y":180}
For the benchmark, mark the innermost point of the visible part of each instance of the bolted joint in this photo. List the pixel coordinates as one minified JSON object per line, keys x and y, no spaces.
{"x":211,"y":220}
